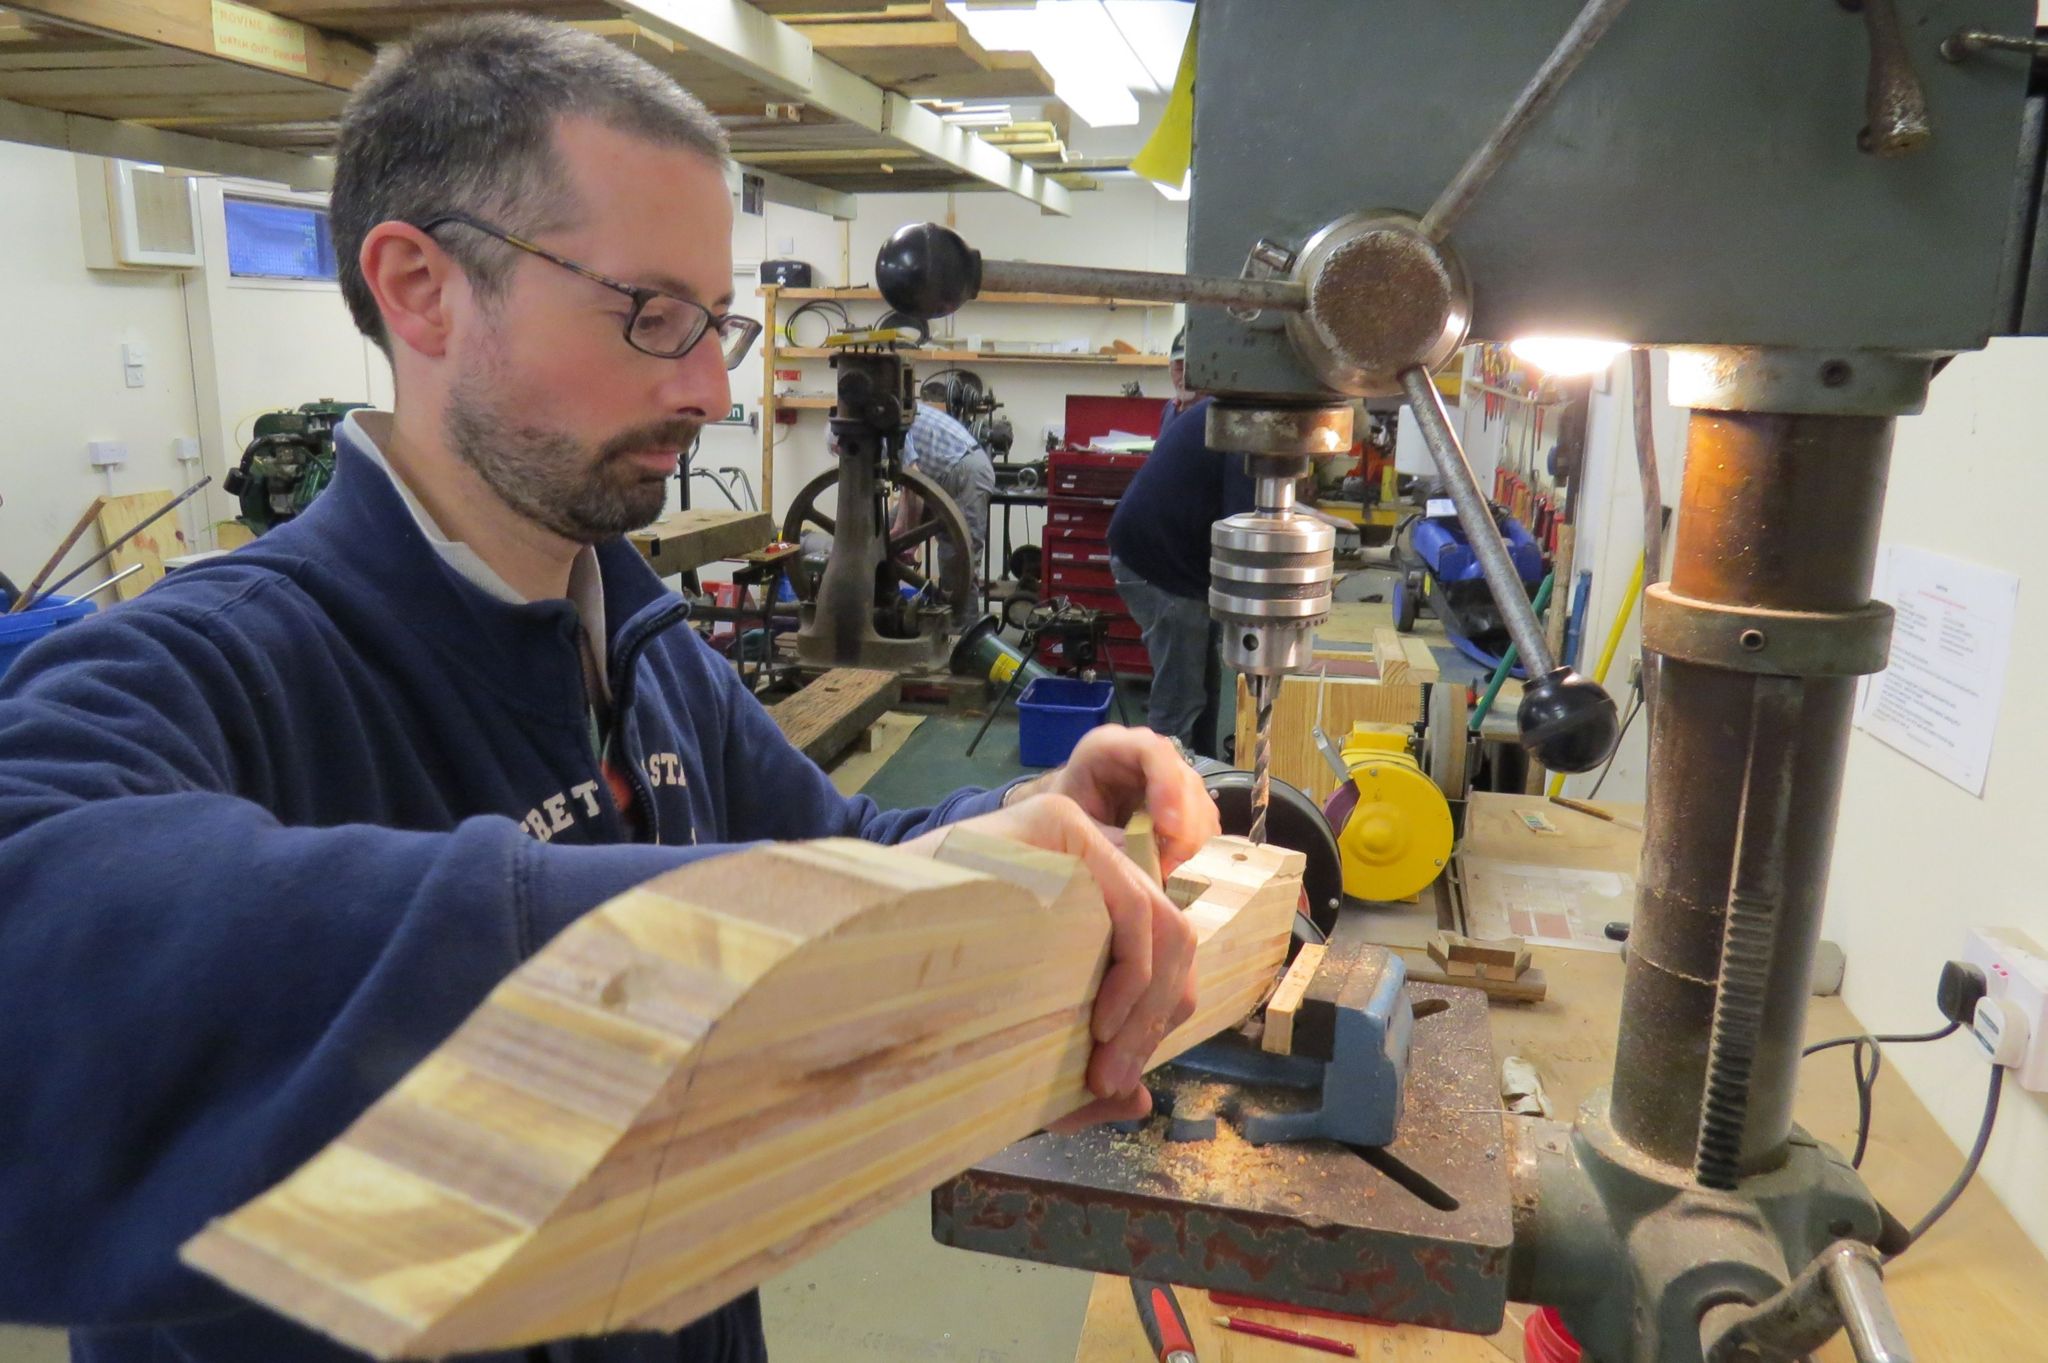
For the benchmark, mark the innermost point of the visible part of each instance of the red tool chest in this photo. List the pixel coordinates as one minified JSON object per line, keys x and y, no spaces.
{"x":1083,"y":486}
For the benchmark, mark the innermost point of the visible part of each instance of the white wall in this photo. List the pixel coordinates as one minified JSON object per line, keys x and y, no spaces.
{"x":1918,"y":859}
{"x":263,"y":345}
{"x":1609,"y":511}
{"x":61,"y":382}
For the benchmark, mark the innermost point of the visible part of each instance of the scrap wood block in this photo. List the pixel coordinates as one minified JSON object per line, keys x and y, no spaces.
{"x":1278,"y":1038}
{"x":1504,"y":959}
{"x":1341,"y":701}
{"x":713,"y":1075}
{"x":829,"y":714}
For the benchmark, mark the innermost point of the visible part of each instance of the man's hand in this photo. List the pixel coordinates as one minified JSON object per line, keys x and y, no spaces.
{"x":1148,"y":990}
{"x":1115,"y":772}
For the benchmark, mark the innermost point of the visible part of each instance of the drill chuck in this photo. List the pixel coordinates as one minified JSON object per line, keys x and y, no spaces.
{"x":1269,"y":587}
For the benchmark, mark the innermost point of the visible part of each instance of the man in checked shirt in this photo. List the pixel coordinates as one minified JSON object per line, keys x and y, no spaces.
{"x":944,"y":451}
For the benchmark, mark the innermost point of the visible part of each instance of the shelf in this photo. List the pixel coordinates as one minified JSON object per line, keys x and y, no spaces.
{"x":866,"y":295}
{"x":802,"y":402}
{"x":983,"y":357}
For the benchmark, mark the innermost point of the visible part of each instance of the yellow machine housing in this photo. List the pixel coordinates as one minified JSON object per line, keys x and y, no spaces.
{"x":1398,"y":837}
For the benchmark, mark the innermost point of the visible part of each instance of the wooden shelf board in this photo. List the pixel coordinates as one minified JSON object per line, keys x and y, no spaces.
{"x":868,"y":295}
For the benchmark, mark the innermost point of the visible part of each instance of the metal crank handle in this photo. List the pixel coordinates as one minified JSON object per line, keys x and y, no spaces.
{"x":928,"y":271}
{"x":1567,"y":722}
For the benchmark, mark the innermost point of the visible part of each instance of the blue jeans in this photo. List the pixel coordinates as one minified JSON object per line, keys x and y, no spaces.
{"x":1186,"y":647}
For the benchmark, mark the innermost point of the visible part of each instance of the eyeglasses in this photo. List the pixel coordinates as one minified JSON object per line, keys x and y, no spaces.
{"x":660,"y":324}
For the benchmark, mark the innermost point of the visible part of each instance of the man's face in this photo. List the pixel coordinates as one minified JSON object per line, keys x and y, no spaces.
{"x":572,"y":427}
{"x":1177,"y":374}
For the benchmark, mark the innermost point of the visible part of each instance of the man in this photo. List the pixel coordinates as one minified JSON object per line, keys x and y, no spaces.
{"x":946,"y":452}
{"x":1159,"y":555}
{"x":269,"y":833}
{"x":1183,"y":397}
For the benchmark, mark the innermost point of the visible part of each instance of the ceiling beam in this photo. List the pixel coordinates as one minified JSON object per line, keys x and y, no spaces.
{"x":131,"y":142}
{"x":781,"y":189}
{"x":222,"y":29}
{"x":778,"y":56}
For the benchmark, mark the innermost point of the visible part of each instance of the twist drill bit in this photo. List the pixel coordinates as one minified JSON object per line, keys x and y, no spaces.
{"x":1263,"y":691}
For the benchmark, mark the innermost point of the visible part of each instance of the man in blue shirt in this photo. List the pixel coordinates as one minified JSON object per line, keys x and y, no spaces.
{"x":270,"y":832}
{"x":1159,"y":553}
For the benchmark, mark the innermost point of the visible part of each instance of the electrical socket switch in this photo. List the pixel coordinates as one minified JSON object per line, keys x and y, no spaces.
{"x":2016,"y":970}
{"x":185,"y":449}
{"x":106,"y":453}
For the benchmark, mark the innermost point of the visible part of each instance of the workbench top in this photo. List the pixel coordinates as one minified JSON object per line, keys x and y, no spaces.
{"x":1974,"y":1291}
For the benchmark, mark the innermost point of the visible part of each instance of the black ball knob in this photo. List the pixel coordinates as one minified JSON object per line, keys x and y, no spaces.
{"x":1568,"y":722}
{"x":927,"y":271}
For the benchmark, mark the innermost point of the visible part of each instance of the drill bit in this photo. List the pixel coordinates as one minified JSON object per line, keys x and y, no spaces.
{"x":1264,"y":690}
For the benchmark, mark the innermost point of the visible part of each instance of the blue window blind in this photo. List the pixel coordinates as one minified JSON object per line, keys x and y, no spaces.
{"x":268,"y":240}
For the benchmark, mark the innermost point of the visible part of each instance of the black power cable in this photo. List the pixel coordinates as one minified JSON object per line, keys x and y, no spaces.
{"x":1970,"y":1163}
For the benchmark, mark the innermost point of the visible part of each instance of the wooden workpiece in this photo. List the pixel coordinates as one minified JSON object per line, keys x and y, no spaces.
{"x":710,"y":1076}
{"x":684,"y":541}
{"x":1282,"y":1008}
{"x":1975,"y":1289}
{"x":821,"y":720}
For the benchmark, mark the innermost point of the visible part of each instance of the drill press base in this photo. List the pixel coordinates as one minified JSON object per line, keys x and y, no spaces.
{"x":1417,"y":1232}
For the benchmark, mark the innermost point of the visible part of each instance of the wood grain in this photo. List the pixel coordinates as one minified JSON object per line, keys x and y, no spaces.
{"x":1278,"y":1038}
{"x":823,"y":718}
{"x":709,"y":1077}
{"x":163,"y":540}
{"x":684,"y":541}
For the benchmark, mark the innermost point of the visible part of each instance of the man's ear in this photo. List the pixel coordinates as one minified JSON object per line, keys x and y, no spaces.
{"x":415,"y":283}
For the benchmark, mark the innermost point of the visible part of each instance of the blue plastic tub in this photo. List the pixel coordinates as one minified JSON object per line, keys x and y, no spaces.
{"x":1054,"y":712}
{"x":17,"y":632}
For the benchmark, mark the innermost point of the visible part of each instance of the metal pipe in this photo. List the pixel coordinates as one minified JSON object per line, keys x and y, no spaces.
{"x":1023,"y":276}
{"x":1858,"y":1286}
{"x":1777,"y":512}
{"x":1966,"y":42}
{"x":1491,"y":154}
{"x":1477,"y":518}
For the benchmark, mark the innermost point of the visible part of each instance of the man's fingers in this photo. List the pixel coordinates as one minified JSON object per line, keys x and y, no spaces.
{"x":1132,"y":1046}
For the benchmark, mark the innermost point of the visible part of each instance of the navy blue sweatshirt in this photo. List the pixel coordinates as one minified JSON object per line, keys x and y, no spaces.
{"x":268,"y":834}
{"x":1161,"y":527}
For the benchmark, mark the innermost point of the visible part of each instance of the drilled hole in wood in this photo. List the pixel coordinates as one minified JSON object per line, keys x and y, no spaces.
{"x":1429,"y":1008}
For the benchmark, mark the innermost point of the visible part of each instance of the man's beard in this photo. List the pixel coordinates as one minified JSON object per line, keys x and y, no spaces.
{"x":549,"y":476}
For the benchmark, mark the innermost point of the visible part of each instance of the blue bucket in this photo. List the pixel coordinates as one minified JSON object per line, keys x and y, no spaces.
{"x":1054,"y":712}
{"x":17,"y":632}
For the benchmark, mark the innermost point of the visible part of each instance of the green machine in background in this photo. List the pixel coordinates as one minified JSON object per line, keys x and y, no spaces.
{"x":287,"y":464}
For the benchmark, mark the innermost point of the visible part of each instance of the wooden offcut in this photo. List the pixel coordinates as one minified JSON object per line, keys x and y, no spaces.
{"x":1278,"y":1038}
{"x":713,"y":1075}
{"x":150,"y":547}
{"x":825,"y":717}
{"x":1342,"y":701}
{"x":684,"y":541}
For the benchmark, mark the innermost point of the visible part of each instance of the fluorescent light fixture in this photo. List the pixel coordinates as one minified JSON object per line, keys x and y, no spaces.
{"x":1566,"y":357}
{"x":1094,"y":58}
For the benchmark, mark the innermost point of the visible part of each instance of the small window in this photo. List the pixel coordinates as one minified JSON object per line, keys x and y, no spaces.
{"x":271,"y":240}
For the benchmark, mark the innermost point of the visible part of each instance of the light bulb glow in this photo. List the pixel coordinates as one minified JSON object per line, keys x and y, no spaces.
{"x":1566,"y":357}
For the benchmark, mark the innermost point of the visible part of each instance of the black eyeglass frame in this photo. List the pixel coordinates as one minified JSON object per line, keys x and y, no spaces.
{"x":641,"y":295}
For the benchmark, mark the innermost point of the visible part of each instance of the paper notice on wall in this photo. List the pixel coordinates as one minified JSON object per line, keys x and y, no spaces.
{"x":1938,"y":700}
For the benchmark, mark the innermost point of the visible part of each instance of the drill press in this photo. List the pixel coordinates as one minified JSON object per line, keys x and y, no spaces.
{"x":1771,"y":206}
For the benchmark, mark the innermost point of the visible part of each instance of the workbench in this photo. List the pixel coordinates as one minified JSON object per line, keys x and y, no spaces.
{"x":1975,"y":1289}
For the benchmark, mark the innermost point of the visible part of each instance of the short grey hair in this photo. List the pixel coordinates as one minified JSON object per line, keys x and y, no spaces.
{"x":460,"y":118}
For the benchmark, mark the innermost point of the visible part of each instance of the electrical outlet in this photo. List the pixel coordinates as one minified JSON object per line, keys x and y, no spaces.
{"x":2016,"y":1022}
{"x":106,"y":454}
{"x":185,"y":449}
{"x":133,"y":358}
